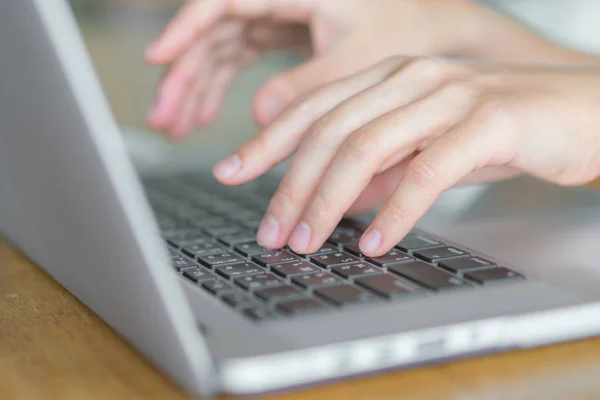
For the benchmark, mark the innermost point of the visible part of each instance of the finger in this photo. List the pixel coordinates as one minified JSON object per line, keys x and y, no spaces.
{"x":215,"y":94}
{"x":358,"y":160}
{"x":194,"y":18}
{"x":379,"y":189}
{"x":197,"y":16}
{"x":186,"y":118}
{"x":454,"y":155}
{"x":282,"y":137}
{"x":192,"y":67}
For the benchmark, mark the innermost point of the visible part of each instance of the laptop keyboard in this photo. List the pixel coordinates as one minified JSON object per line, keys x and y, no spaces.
{"x":211,"y":233}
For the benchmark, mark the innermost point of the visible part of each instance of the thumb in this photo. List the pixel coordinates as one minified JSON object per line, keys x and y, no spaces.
{"x":280,"y":91}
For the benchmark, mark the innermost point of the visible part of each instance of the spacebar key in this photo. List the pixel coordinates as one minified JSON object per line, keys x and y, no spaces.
{"x":428,"y":276}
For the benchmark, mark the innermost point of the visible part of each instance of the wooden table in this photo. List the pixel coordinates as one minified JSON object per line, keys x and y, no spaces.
{"x":52,"y":347}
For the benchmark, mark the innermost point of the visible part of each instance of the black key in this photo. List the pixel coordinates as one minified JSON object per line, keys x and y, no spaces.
{"x":297,"y":268}
{"x":259,"y":313}
{"x":183,"y":234}
{"x":177,"y":242}
{"x":218,"y":287}
{"x":327,"y":248}
{"x":182,"y":262}
{"x":387,"y":286}
{"x":332,"y":259}
{"x":257,"y":282}
{"x":356,"y":270}
{"x":197,"y":274}
{"x":343,"y":294}
{"x":274,"y":257}
{"x":493,"y":275}
{"x":391,"y":257}
{"x":210,"y":222}
{"x":414,"y":242}
{"x":220,"y":259}
{"x":203,"y":249}
{"x":440,"y":253}
{"x":300,"y":306}
{"x":428,"y":276}
{"x":459,"y":265}
{"x":250,"y":249}
{"x":278,"y":293}
{"x":345,"y":236}
{"x":243,"y":236}
{"x":222,"y":230}
{"x":251,"y":223}
{"x":316,"y":280}
{"x":239,"y":300}
{"x":237,"y":270}
{"x":353,"y":249}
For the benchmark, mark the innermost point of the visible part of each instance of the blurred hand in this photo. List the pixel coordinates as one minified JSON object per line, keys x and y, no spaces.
{"x":404,"y":131}
{"x":209,"y":41}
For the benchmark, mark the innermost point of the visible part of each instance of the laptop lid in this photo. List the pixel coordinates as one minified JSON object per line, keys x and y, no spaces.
{"x":70,"y":198}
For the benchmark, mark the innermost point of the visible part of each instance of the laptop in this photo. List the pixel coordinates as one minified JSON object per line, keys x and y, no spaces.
{"x":170,"y":261}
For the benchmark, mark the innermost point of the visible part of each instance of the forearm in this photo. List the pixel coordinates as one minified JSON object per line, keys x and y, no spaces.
{"x":478,"y":32}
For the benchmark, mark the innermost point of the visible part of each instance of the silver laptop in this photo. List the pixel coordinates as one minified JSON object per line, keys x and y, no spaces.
{"x":171,"y":264}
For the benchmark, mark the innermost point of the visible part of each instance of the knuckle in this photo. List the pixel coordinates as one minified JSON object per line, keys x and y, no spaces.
{"x":425,"y":68}
{"x":393,"y":213}
{"x":496,"y":114}
{"x":322,"y":206}
{"x":422,"y":172}
{"x":321,"y":133}
{"x":285,"y":195}
{"x":460,"y":89}
{"x":359,"y":147}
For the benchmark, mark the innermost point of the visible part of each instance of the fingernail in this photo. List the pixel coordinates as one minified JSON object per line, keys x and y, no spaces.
{"x":272,"y":106}
{"x":227,"y":167}
{"x":300,"y":237}
{"x":370,"y":241}
{"x":268,"y":232}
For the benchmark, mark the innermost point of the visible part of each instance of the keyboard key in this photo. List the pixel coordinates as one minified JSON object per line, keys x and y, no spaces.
{"x":356,"y":270}
{"x":250,"y":249}
{"x":414,"y":242}
{"x":300,"y":306}
{"x":390,"y":258}
{"x":177,"y":242}
{"x":293,"y":269}
{"x":197,"y":274}
{"x":459,"y":265}
{"x":239,"y":300}
{"x":327,"y":248}
{"x":353,"y":249}
{"x":220,"y":259}
{"x":243,"y":236}
{"x":440,"y":253}
{"x":257,"y":282}
{"x":237,"y":270}
{"x":343,"y":294}
{"x":278,"y":293}
{"x":259,"y":313}
{"x":203,"y":249}
{"x":180,"y":262}
{"x":345,"y":236}
{"x":332,"y":259}
{"x":315,"y":280}
{"x":218,"y":287}
{"x":274,"y":257}
{"x":210,"y":222}
{"x":493,"y":275}
{"x":428,"y":276}
{"x":221,"y":230}
{"x":387,"y":286}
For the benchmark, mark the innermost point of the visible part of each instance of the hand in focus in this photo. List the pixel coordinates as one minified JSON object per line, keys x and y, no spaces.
{"x":209,"y":41}
{"x":404,"y":131}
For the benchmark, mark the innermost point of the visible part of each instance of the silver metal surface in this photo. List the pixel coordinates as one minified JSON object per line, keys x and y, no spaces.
{"x":70,"y":198}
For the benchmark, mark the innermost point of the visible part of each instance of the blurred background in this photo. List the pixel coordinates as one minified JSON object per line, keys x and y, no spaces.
{"x":118,"y":31}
